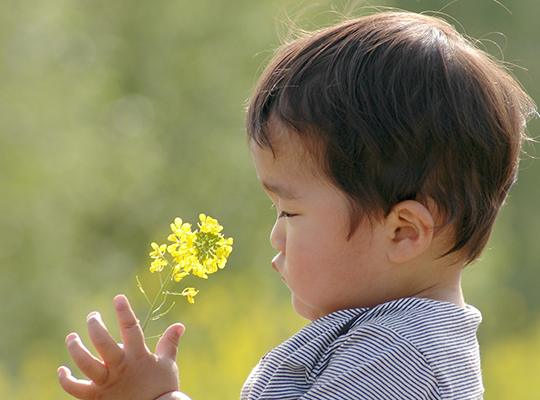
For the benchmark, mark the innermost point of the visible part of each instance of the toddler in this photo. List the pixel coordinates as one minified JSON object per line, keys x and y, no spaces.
{"x":387,"y":144}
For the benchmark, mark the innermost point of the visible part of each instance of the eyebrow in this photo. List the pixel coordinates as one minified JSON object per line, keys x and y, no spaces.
{"x":280,"y":191}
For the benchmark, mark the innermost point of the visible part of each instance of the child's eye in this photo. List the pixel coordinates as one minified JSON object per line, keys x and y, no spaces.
{"x":285,"y":214}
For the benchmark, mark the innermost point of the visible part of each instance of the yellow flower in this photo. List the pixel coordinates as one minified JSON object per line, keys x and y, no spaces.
{"x":209,"y":250}
{"x":209,"y":224}
{"x":182,"y":238}
{"x":179,"y":228}
{"x":224,"y":249}
{"x":159,"y":251}
{"x":159,"y":257}
{"x":190,"y":293}
{"x":201,"y":252}
{"x":178,"y":274}
{"x":158,"y":264}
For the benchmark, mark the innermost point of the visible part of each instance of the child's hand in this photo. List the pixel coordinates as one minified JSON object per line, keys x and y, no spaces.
{"x":128,"y":371}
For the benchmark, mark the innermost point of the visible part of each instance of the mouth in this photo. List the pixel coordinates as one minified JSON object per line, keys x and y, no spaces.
{"x":274,"y":266}
{"x":275,"y":262}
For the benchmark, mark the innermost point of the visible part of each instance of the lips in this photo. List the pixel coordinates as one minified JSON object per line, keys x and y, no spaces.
{"x":275,"y":261}
{"x":275,"y":266}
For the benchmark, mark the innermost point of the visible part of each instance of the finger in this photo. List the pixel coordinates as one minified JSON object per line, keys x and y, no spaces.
{"x":130,"y":329}
{"x":104,"y":343}
{"x":76,"y":387}
{"x":167,"y":346}
{"x":85,"y":361}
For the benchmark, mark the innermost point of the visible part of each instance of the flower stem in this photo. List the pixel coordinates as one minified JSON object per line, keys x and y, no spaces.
{"x":157,"y":300}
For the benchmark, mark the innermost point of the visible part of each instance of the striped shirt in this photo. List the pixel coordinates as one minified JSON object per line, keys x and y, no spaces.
{"x":409,"y":348}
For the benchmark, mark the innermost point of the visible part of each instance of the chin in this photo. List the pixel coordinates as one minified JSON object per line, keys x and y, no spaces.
{"x":305,"y":311}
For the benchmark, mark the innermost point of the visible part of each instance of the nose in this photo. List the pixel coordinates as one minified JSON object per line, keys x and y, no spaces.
{"x":278,"y":235}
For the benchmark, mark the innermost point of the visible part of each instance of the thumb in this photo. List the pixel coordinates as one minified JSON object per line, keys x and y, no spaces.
{"x":167,"y":346}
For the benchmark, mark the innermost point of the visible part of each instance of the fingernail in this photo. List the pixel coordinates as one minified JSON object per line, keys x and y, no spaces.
{"x":120,"y":300}
{"x":94,"y":315}
{"x":61,"y":372}
{"x":181,"y":330}
{"x":71,"y":338}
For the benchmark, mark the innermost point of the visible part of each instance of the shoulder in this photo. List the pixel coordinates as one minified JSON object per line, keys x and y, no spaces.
{"x":435,"y":329}
{"x":425,"y":312}
{"x":410,"y":345}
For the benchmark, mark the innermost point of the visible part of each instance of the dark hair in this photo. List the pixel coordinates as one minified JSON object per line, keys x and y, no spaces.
{"x":399,"y":106}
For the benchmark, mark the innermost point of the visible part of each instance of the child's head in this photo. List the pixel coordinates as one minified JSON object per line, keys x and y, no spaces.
{"x":395,"y":107}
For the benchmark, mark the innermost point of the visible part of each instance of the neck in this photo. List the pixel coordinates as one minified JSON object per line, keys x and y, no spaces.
{"x":441,"y":280}
{"x":451,"y":294}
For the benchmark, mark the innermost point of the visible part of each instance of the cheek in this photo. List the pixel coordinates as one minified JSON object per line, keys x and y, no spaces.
{"x":309,"y":260}
{"x":315,"y":247}
{"x":302,"y":244}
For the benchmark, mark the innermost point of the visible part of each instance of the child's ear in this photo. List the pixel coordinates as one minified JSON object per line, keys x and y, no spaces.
{"x":410,"y":228}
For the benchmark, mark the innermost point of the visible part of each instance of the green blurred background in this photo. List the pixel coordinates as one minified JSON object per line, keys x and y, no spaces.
{"x":117,"y":116}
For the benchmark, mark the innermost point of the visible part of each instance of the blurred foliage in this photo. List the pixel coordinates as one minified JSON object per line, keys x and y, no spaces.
{"x":117,"y":116}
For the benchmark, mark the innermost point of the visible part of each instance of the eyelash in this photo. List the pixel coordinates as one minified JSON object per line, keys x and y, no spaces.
{"x":283,"y":213}
{"x":286,"y":215}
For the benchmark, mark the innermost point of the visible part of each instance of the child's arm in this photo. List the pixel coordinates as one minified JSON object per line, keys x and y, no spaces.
{"x":128,"y":371}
